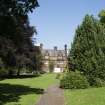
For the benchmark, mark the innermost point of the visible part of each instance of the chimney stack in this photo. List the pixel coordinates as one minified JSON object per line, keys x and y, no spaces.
{"x":65,"y":47}
{"x":55,"y":48}
{"x":41,"y":46}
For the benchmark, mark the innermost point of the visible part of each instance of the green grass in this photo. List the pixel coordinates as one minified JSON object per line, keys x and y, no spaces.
{"x":91,"y":96}
{"x":24,"y":91}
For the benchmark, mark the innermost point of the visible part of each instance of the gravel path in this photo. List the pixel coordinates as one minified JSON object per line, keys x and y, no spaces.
{"x":52,"y":96}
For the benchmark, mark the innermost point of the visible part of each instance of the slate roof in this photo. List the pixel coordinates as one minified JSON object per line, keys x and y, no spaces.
{"x":53,"y":53}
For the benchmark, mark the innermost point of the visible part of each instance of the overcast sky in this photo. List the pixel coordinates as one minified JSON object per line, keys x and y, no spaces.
{"x":57,"y":20}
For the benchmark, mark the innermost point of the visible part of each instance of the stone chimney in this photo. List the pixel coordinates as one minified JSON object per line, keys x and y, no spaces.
{"x":41,"y":46}
{"x":55,"y":48}
{"x":65,"y":47}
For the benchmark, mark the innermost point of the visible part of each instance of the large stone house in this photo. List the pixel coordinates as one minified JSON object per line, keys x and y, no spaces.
{"x":56,"y":56}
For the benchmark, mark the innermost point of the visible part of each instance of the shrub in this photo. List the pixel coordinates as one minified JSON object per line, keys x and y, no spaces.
{"x":3,"y":72}
{"x":59,"y":76}
{"x":98,"y":82}
{"x":74,"y":80}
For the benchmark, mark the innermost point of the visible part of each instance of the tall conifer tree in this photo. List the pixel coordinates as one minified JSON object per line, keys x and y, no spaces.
{"x":87,"y":53}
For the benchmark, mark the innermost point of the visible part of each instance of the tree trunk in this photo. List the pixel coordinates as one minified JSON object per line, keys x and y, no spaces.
{"x":18,"y":72}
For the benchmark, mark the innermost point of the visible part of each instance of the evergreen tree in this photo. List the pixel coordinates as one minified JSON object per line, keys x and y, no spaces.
{"x":102,"y":16}
{"x":87,"y":53}
{"x":16,"y":34}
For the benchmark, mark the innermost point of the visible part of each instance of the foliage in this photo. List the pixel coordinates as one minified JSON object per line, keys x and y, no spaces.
{"x":38,"y":59}
{"x":98,"y":82}
{"x":16,"y":47}
{"x":58,"y":76}
{"x":17,"y":7}
{"x":1,"y":63}
{"x":2,"y":69}
{"x":15,"y":41}
{"x":74,"y":80}
{"x":102,"y":16}
{"x":87,"y":52}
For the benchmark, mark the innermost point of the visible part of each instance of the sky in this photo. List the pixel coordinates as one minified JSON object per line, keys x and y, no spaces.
{"x":57,"y":20}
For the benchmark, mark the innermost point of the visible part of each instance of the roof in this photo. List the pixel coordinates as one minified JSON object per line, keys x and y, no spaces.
{"x":51,"y":52}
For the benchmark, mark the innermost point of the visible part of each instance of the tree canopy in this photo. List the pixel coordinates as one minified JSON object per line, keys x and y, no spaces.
{"x":17,"y":7}
{"x":16,"y":47}
{"x":87,"y":53}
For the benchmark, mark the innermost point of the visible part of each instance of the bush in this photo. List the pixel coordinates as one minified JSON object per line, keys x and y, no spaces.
{"x":74,"y":80}
{"x":58,"y":76}
{"x":3,"y":72}
{"x":98,"y":82}
{"x":95,"y":81}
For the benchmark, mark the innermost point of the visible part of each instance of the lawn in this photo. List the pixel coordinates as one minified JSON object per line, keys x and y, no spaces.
{"x":91,"y":96}
{"x":24,"y":91}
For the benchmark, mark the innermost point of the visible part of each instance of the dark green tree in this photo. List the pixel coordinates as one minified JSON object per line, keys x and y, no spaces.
{"x":16,"y":33}
{"x":102,"y":16}
{"x":17,"y":7}
{"x":87,"y":53}
{"x":37,"y":59}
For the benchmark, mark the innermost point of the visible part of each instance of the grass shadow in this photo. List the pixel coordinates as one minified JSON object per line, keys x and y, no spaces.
{"x":20,"y":76}
{"x":12,"y":93}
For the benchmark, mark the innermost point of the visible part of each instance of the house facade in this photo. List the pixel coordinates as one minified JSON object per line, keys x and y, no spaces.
{"x":57,"y":57}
